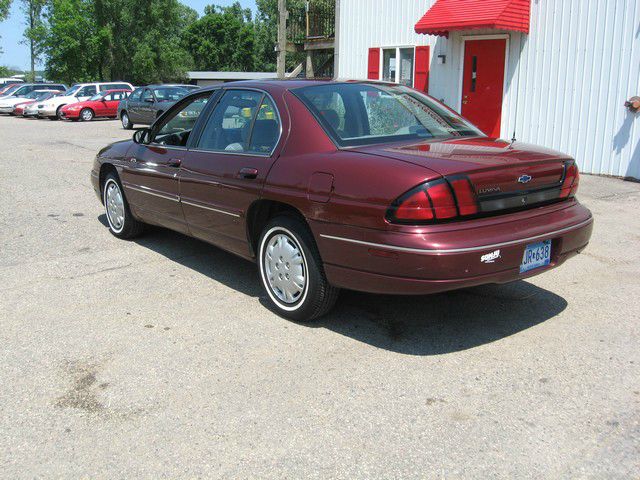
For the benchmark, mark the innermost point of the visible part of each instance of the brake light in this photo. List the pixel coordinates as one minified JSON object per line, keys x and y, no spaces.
{"x":571,"y":181}
{"x":432,"y":201}
{"x":467,"y":203}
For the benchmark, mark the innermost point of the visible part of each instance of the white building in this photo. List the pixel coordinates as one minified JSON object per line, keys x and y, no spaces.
{"x":558,"y":72}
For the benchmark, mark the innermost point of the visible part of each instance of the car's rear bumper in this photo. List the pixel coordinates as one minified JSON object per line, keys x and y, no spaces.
{"x":449,"y":256}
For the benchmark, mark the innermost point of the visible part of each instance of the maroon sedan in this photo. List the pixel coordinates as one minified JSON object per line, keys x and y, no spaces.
{"x":328,"y":185}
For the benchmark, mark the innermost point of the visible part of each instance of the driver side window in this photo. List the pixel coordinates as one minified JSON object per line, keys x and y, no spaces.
{"x":176,"y":128}
{"x":147,"y":95}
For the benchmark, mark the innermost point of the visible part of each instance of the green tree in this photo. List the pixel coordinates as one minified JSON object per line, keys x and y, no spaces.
{"x":4,"y":12}
{"x":70,"y":45}
{"x":222,"y":39}
{"x":35,"y":33}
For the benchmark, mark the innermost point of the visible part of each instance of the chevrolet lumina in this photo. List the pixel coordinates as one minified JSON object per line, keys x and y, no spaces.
{"x":328,"y":185}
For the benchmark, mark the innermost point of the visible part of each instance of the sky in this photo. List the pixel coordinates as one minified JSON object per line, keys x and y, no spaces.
{"x":16,"y":55}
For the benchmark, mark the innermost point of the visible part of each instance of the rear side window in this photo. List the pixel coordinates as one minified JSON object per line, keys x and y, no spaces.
{"x":266,"y":129}
{"x":244,"y":121}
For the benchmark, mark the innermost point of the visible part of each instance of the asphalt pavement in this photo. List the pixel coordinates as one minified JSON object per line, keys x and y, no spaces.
{"x":157,"y":358}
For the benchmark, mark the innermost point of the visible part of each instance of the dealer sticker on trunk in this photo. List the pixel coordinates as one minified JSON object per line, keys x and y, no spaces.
{"x":536,"y":255}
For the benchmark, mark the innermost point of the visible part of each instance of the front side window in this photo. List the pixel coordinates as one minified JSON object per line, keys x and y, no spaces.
{"x":147,"y":96}
{"x":378,"y":114}
{"x":88,"y":91}
{"x":177,"y":126}
{"x":244,"y":121}
{"x":136,"y":95}
{"x":169,"y":94}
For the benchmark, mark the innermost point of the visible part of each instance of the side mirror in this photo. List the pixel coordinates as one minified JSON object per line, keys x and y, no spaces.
{"x":142,"y":136}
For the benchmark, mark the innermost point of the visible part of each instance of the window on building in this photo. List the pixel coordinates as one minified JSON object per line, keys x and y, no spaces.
{"x":398,"y":65}
{"x":405,"y":72}
{"x":389,"y":65}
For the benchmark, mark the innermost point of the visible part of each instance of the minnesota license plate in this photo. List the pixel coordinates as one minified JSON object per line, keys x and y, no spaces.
{"x":536,"y":255}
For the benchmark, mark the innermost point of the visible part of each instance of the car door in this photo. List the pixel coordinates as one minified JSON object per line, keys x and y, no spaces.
{"x":133,"y":105}
{"x":223,"y":172}
{"x":147,"y":109}
{"x":111,"y":103}
{"x":150,"y":174}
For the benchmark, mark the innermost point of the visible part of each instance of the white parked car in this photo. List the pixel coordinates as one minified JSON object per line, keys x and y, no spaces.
{"x":7,"y":104}
{"x":77,"y":93}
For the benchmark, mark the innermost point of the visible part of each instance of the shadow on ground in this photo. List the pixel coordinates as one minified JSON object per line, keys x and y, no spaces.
{"x":423,"y":325}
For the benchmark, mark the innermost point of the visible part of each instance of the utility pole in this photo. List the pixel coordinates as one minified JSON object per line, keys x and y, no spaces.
{"x":282,"y":37}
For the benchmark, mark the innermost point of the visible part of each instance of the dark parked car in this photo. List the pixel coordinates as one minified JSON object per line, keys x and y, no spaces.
{"x":327,"y":185}
{"x":146,"y":104}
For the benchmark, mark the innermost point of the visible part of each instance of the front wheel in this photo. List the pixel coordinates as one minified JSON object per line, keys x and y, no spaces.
{"x":122,"y":224}
{"x":126,"y":122}
{"x":291,"y":270}
{"x":86,"y":114}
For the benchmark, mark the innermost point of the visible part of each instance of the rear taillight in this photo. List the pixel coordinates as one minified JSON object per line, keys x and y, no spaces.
{"x":433,"y":201}
{"x":571,"y":180}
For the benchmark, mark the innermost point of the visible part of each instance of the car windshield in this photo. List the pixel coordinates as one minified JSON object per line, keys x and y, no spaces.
{"x":12,"y":89}
{"x":169,"y":94}
{"x":72,"y":90}
{"x":355,"y":114}
{"x":46,"y":95}
{"x":34,"y":94}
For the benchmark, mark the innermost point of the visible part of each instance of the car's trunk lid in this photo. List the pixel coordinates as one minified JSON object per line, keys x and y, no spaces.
{"x":504,"y":175}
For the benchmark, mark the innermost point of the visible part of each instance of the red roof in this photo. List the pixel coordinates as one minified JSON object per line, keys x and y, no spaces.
{"x":447,"y":15}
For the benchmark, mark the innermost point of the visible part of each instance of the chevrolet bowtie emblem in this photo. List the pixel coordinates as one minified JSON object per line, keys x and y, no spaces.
{"x":524,"y":178}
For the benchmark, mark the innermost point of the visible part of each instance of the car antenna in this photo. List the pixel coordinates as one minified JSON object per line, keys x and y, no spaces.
{"x":513,"y":139}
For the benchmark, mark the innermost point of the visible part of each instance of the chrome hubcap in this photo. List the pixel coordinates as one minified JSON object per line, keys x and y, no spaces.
{"x":115,"y":206}
{"x":125,"y":120}
{"x":86,"y":115}
{"x":284,"y":268}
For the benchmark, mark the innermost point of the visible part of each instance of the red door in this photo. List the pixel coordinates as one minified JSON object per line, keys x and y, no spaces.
{"x":483,"y":83}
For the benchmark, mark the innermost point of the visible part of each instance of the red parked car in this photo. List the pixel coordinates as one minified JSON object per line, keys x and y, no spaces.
{"x":103,"y":104}
{"x":328,"y":185}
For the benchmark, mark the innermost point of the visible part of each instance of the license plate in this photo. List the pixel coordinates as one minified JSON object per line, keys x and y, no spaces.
{"x":536,"y":255}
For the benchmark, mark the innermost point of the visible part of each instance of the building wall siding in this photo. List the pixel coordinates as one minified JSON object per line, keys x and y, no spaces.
{"x":566,"y":81}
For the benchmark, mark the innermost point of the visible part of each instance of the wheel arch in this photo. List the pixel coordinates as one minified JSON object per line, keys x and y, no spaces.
{"x":259,"y":214}
{"x":106,"y":169}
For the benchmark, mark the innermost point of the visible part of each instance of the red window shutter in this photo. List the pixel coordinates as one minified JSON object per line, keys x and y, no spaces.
{"x":373,"y":70}
{"x":421,"y":78}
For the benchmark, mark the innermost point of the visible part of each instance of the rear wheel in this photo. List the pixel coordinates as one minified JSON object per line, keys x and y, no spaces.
{"x":58,"y":113}
{"x":86,"y":114}
{"x":122,"y":224}
{"x":291,"y":270}
{"x":126,"y":122}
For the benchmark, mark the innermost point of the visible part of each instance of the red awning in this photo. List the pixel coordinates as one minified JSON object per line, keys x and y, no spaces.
{"x":447,"y":15}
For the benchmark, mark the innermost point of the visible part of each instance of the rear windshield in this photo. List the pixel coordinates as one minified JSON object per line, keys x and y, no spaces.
{"x":362,"y":114}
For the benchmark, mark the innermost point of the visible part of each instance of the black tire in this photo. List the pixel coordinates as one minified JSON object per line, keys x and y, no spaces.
{"x":317,"y":296}
{"x":126,"y":121}
{"x":86,"y":115}
{"x":58,"y":113}
{"x":129,"y":227}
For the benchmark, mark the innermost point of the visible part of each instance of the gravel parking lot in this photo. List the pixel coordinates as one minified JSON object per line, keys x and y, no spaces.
{"x":157,"y":358}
